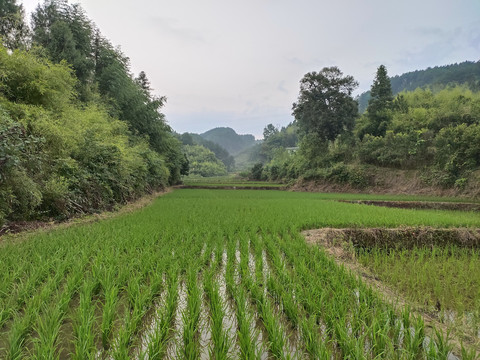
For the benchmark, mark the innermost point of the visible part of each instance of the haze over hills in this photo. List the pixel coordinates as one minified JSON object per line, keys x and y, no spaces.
{"x":228,"y":139}
{"x":466,"y":73}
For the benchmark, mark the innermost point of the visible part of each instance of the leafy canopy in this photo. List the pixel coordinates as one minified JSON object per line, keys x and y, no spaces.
{"x":325,"y":106}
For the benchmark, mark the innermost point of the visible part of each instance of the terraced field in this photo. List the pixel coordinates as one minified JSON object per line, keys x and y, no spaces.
{"x":205,"y":274}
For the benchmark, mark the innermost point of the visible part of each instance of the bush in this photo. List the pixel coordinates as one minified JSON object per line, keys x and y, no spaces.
{"x":256,"y":173}
{"x":458,"y":149}
{"x":397,"y":150}
{"x":353,"y":175}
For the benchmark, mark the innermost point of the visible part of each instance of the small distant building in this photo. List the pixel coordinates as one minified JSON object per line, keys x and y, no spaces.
{"x":292,"y":150}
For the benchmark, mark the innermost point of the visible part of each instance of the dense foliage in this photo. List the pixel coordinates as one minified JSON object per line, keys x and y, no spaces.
{"x":78,"y":133}
{"x":203,"y":162}
{"x":325,"y":108}
{"x":466,"y":73}
{"x":220,"y":153}
{"x":13,"y":29}
{"x":434,"y":132}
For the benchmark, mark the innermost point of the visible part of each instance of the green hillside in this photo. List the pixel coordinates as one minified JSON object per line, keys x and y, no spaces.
{"x":228,"y":139}
{"x":466,"y":73}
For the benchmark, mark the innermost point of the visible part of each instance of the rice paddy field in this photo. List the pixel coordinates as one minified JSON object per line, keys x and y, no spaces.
{"x":228,"y":182}
{"x":221,"y":274}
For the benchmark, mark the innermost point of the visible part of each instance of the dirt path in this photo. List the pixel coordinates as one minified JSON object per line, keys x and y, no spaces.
{"x":331,"y":241}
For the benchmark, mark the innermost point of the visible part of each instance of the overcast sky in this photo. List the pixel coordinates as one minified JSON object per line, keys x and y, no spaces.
{"x":239,"y":63}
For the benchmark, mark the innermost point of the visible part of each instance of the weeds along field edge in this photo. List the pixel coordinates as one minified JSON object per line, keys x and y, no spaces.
{"x":205,"y":273}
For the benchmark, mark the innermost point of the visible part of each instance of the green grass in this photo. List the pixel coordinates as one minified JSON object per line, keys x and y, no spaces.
{"x":92,"y":290}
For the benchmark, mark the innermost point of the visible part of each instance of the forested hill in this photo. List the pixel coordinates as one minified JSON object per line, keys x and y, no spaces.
{"x":228,"y":139}
{"x":466,"y":73}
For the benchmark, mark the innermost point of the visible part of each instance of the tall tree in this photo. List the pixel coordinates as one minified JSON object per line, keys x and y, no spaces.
{"x":67,"y":34}
{"x":13,"y":29}
{"x":268,"y":131}
{"x":325,"y":106}
{"x":378,"y":114}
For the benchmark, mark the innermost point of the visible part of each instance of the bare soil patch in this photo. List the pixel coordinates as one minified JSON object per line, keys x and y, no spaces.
{"x":338,"y":244}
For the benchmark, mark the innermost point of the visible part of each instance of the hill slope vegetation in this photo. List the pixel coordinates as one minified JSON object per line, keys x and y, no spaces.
{"x":229,"y":139}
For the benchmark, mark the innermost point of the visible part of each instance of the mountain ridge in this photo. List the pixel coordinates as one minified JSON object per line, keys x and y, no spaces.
{"x":228,"y":138}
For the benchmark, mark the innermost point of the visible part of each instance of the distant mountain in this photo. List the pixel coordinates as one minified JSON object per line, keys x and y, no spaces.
{"x":467,"y":73}
{"x":229,"y":139}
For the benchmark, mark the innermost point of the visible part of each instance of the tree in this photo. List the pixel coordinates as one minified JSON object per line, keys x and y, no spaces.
{"x":143,"y":81}
{"x":378,"y":114}
{"x":66,"y":33}
{"x":13,"y":29}
{"x":203,"y":161}
{"x":325,"y":106}
{"x":268,"y":131}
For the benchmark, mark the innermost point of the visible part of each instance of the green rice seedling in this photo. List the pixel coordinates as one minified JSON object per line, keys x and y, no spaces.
{"x":379,"y":335}
{"x":191,"y":317}
{"x":16,"y":339}
{"x":158,"y":341}
{"x":47,"y":343}
{"x":219,"y":249}
{"x":274,"y":329}
{"x":247,"y":334}
{"x":83,"y":323}
{"x":22,"y":325}
{"x":48,"y":330}
{"x":22,"y":292}
{"x":443,"y":345}
{"x":139,"y":299}
{"x":314,"y":345}
{"x":455,"y":286}
{"x":109,"y":313}
{"x":221,"y":344}
{"x":416,"y":344}
{"x":230,"y":272}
